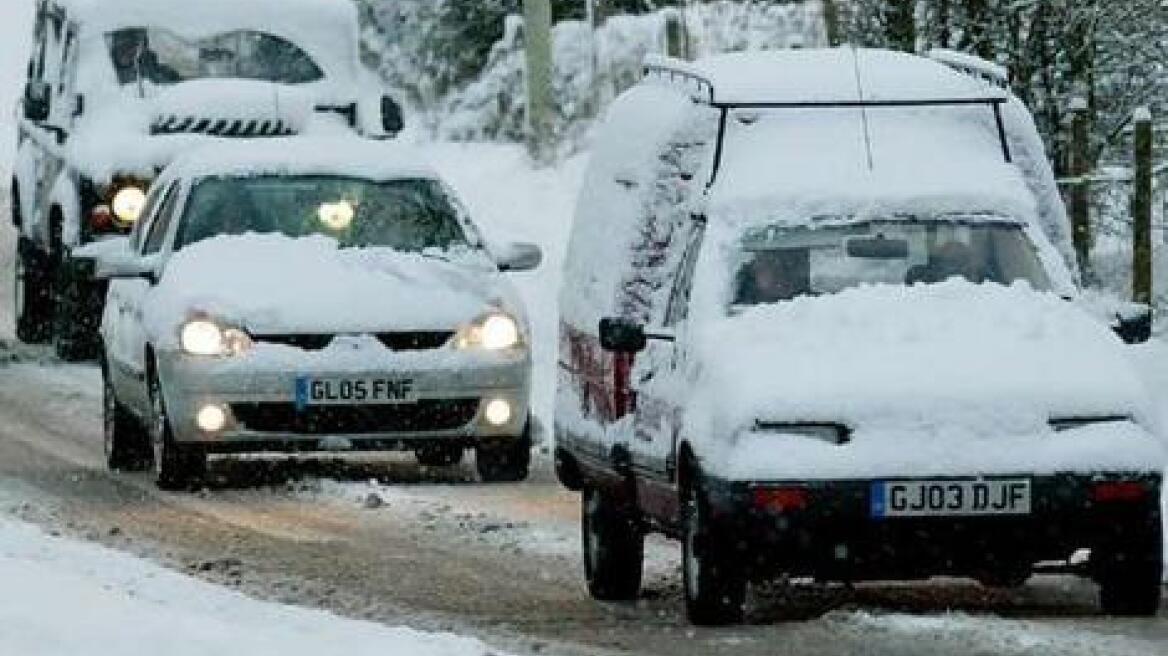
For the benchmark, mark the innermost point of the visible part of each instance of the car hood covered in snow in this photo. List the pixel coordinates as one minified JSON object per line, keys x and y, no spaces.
{"x":909,"y":368}
{"x":271,"y":284}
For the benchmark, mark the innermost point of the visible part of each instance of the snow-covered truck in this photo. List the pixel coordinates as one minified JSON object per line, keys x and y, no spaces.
{"x":838,"y":335}
{"x":116,"y":89}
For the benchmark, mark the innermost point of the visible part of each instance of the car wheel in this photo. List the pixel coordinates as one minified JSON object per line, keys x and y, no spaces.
{"x":1130,"y":573}
{"x":176,"y":467}
{"x":127,"y":443}
{"x":613,"y":545}
{"x":507,"y":462}
{"x":715,"y":584}
{"x":31,"y":295}
{"x":441,"y":455}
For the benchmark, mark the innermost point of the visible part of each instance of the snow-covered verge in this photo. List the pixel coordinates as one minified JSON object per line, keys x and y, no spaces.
{"x":66,"y":597}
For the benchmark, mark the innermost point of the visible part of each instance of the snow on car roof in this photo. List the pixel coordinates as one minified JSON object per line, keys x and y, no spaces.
{"x":828,"y":75}
{"x":349,"y":157}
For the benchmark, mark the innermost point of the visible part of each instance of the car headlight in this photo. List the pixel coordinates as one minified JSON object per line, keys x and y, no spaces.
{"x":208,"y":338}
{"x":128,"y":203}
{"x":495,"y":331}
{"x":830,"y":433}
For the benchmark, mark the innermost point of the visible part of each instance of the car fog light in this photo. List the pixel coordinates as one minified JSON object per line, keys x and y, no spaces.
{"x":211,"y":418}
{"x":498,"y":412}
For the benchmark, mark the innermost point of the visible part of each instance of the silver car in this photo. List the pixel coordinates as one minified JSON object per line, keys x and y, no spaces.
{"x":293,"y":299}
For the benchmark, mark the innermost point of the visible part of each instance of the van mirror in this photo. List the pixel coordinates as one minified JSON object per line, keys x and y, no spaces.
{"x":37,"y":101}
{"x":878,"y":248}
{"x":622,"y":336}
{"x":391,"y":116}
{"x":519,"y":256}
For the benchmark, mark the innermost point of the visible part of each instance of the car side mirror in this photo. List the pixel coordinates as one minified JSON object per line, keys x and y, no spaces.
{"x":1135,"y":326}
{"x":391,"y":116}
{"x":37,"y":101}
{"x":519,"y":256}
{"x":622,"y":336}
{"x":113,"y":259}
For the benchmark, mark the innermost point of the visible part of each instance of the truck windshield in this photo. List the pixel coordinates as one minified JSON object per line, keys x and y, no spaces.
{"x":780,"y":264}
{"x":159,"y":56}
{"x":406,"y":215}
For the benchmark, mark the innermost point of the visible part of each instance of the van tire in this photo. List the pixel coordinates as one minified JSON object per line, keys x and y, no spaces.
{"x":713,"y":579}
{"x":613,"y":546}
{"x":32,"y":294}
{"x":1130,"y":572}
{"x":74,"y":329}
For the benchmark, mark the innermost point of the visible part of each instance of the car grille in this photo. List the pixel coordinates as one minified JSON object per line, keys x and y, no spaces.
{"x":401,"y":341}
{"x":429,"y":415}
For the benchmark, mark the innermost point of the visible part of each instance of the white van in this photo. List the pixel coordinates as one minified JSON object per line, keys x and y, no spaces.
{"x":832,"y":338}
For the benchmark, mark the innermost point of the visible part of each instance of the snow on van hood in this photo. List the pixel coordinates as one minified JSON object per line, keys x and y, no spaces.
{"x":947,"y":379}
{"x":983,"y":358}
{"x":272,"y":284}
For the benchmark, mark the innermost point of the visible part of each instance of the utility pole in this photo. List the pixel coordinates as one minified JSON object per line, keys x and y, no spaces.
{"x":537,"y":30}
{"x":1141,"y":209}
{"x":1081,"y":189}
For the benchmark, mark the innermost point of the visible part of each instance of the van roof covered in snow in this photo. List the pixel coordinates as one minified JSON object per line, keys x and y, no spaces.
{"x":837,"y":75}
{"x":348,"y":157}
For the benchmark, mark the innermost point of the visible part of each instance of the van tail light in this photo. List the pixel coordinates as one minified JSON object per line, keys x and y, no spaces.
{"x":781,"y":499}
{"x":1107,"y":491}
{"x":101,"y":216}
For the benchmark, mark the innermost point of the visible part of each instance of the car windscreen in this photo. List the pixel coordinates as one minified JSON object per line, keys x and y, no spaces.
{"x":159,"y":56}
{"x":780,"y":264}
{"x":406,"y":215}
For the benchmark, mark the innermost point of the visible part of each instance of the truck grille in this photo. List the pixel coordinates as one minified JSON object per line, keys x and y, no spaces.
{"x":429,"y":415}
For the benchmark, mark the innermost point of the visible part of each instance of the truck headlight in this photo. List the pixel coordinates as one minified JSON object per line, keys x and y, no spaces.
{"x":207,"y":338}
{"x":128,"y":203}
{"x":495,"y":331}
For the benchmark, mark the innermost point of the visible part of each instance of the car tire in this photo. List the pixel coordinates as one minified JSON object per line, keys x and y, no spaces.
{"x":127,"y":442}
{"x":176,"y":467}
{"x":507,"y":462}
{"x":1130,"y":573}
{"x":613,"y":546}
{"x":442,"y":455}
{"x":32,"y":295}
{"x":713,"y":579}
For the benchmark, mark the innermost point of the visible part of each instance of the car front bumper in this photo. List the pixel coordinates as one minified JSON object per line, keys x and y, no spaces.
{"x":837,"y":536}
{"x":264,"y":413}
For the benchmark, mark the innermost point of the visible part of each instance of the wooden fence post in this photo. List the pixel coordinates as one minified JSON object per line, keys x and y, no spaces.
{"x":1141,"y":209}
{"x":537,"y":30}
{"x":1081,"y":188}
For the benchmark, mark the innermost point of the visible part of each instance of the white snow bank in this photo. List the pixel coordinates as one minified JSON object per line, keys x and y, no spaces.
{"x":62,"y":598}
{"x":271,"y":284}
{"x":934,"y":378}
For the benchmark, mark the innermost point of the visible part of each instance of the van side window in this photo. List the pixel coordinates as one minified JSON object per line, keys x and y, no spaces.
{"x":156,"y":234}
{"x":678,"y":309}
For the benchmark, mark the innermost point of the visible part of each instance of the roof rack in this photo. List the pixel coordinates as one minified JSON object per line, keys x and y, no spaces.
{"x":702,"y":91}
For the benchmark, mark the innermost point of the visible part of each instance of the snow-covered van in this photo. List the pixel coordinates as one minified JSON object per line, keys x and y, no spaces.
{"x":117,"y":88}
{"x":835,"y":334}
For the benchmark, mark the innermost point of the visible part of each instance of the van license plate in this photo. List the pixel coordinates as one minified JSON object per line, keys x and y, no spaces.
{"x":367,"y":390}
{"x":953,"y":498}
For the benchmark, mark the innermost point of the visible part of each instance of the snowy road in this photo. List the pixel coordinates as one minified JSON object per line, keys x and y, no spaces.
{"x":436,"y":551}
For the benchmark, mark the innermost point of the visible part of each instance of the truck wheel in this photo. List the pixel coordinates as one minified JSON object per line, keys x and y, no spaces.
{"x":1130,"y":573}
{"x":127,"y":443}
{"x":508,"y":462}
{"x":442,"y":455}
{"x":32,"y":294}
{"x":176,"y":467}
{"x":714,"y":582}
{"x":613,"y":545}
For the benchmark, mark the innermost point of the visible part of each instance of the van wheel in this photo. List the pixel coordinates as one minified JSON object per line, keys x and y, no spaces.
{"x":32,"y":294}
{"x":442,"y":455}
{"x":507,"y":462}
{"x":176,"y":467}
{"x":1130,"y":573}
{"x":127,"y":443}
{"x":715,"y":584}
{"x":613,"y":545}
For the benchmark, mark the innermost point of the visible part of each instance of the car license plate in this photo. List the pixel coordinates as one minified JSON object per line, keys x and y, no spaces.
{"x":364,"y":390}
{"x":952,"y":498}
